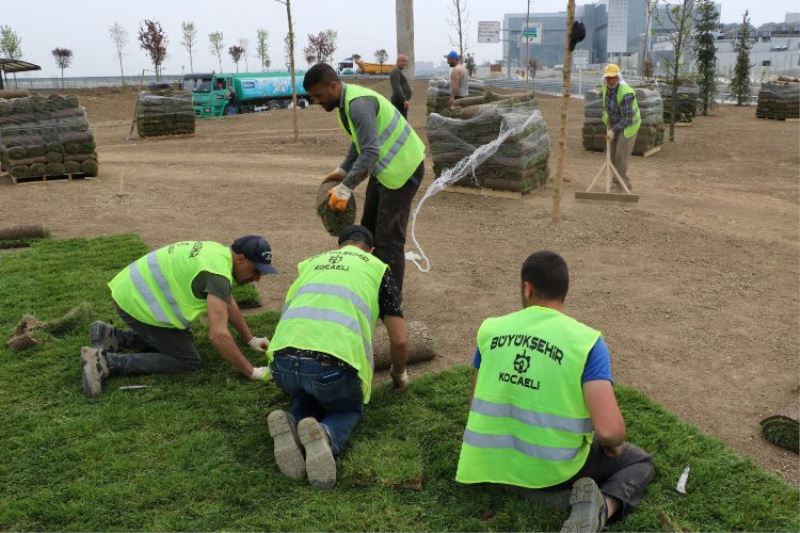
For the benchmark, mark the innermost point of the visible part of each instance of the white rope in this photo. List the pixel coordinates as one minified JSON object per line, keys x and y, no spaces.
{"x":465,"y":167}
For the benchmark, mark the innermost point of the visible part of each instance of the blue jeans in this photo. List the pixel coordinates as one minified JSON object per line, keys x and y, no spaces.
{"x":331,"y":395}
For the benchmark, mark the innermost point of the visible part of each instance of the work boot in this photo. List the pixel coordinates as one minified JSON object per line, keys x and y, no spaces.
{"x":94,"y":369}
{"x":588,"y":508}
{"x":320,"y":464}
{"x":103,"y":336}
{"x":286,"y":444}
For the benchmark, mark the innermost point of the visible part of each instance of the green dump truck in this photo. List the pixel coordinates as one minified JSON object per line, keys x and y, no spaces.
{"x":217,"y":95}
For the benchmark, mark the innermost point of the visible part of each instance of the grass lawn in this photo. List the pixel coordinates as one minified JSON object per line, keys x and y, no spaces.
{"x":192,"y":452}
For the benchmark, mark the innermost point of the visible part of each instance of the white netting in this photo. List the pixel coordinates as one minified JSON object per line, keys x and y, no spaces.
{"x":511,"y":126}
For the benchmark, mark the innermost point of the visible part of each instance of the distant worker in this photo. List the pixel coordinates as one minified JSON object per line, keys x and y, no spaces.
{"x":459,"y":84}
{"x":159,"y":295}
{"x":321,"y":354}
{"x":233,"y":102}
{"x":401,"y":89}
{"x":384,"y":149}
{"x":621,"y":115}
{"x":543,"y":411}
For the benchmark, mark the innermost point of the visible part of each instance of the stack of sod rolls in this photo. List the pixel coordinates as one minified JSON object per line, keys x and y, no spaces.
{"x":164,"y":112}
{"x":779,"y":100}
{"x":439,"y":94}
{"x":651,"y":130}
{"x":46,"y":136}
{"x":521,"y":162}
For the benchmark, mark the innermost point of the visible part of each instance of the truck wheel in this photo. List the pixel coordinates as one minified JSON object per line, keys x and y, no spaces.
{"x":274,"y":105}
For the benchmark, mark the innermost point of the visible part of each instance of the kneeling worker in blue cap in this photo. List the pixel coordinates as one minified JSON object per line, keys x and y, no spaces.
{"x":159,"y":295}
{"x":321,"y":354}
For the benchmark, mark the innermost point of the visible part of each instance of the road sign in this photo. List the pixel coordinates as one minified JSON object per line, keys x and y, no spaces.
{"x":489,"y":31}
{"x":533,"y":33}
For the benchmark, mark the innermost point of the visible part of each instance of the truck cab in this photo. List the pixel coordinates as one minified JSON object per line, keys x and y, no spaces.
{"x":209,"y":93}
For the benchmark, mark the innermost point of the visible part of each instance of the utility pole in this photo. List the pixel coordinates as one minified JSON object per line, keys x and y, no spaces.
{"x":527,"y":42}
{"x":405,"y":33}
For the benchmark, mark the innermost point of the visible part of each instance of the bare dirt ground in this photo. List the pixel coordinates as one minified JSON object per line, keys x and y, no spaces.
{"x":695,"y":287}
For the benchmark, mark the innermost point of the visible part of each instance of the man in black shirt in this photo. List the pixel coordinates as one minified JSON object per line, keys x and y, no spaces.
{"x":401,"y":89}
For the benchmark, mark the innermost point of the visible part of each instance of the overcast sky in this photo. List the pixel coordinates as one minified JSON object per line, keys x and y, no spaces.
{"x":363,"y":26}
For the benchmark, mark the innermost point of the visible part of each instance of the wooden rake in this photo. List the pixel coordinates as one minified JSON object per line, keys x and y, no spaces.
{"x":611,"y":174}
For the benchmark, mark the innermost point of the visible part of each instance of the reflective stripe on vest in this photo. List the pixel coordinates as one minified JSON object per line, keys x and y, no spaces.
{"x":329,"y":315}
{"x":511,"y":442}
{"x":533,"y":418}
{"x":398,"y":158}
{"x":150,"y":298}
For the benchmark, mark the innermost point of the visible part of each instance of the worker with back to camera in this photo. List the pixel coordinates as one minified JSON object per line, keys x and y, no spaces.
{"x":543,"y":412}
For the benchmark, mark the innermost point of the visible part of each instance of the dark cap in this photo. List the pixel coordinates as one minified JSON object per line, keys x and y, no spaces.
{"x":257,"y":250}
{"x":358,"y":234}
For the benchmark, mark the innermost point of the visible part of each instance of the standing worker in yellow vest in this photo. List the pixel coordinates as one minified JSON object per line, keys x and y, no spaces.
{"x":543,"y":411}
{"x":384,"y":149}
{"x":321,"y":354}
{"x":159,"y":295}
{"x":621,"y":115}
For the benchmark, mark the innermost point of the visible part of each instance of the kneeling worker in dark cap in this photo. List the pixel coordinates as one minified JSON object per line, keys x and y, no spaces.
{"x":159,"y":295}
{"x":321,"y":354}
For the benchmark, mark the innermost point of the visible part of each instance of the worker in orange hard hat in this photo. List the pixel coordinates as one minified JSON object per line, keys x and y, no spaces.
{"x":621,"y":116}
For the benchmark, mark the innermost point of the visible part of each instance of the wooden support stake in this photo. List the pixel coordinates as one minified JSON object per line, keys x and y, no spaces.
{"x":136,"y":106}
{"x":562,"y":133}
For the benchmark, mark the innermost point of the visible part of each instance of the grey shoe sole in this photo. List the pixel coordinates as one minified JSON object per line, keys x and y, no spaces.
{"x":587,"y":507}
{"x":288,"y":455}
{"x":90,"y":376}
{"x":320,"y":464}
{"x":101,"y":336}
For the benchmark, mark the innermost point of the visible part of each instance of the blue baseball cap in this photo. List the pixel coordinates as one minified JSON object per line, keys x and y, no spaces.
{"x":452,"y":54}
{"x":257,"y":250}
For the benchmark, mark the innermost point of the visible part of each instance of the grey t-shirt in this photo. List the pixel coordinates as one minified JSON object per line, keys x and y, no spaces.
{"x":206,"y":283}
{"x":363,"y":113}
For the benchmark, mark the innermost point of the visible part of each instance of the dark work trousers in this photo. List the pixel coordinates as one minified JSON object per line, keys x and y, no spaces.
{"x":400,"y":106}
{"x":158,"y":350}
{"x":386,"y":214}
{"x":624,"y":477}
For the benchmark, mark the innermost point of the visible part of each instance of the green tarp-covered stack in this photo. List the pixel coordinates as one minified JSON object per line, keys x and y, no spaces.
{"x":164,"y":112}
{"x":46,"y":136}
{"x":439,"y":94}
{"x":651,"y":131}
{"x":686,"y":99}
{"x":779,"y":100}
{"x":520,"y":163}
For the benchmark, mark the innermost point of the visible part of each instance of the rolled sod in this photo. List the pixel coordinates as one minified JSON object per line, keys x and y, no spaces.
{"x":783,"y":428}
{"x":333,"y":221}
{"x":420,"y":345}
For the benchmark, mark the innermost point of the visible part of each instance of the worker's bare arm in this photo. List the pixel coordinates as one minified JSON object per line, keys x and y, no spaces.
{"x":609,"y":426}
{"x":221,"y":337}
{"x":236,"y":320}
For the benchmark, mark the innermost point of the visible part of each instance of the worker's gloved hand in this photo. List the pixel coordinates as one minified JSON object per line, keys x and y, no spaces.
{"x":261,"y":373}
{"x":338,"y":197}
{"x":400,"y":379}
{"x":610,"y":136}
{"x":259,"y":344}
{"x":336,"y":175}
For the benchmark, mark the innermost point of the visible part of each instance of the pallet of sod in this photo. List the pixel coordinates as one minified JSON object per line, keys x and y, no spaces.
{"x":46,"y":137}
{"x":164,"y":114}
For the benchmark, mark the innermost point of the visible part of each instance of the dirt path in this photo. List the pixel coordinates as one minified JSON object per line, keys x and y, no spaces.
{"x":696,"y":287}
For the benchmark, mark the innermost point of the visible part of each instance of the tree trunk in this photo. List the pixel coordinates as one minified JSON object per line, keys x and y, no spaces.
{"x":191,"y":64}
{"x":62,"y":78}
{"x":295,"y":128}
{"x":121,"y":71}
{"x":562,"y":132}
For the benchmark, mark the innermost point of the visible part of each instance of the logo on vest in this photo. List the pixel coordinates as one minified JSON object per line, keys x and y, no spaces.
{"x":522,"y":362}
{"x":333,"y":264}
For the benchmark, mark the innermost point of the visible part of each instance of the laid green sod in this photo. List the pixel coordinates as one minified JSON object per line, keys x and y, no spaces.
{"x":192,"y":452}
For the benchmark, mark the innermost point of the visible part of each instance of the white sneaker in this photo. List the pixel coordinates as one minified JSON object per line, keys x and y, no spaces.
{"x":94,"y":369}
